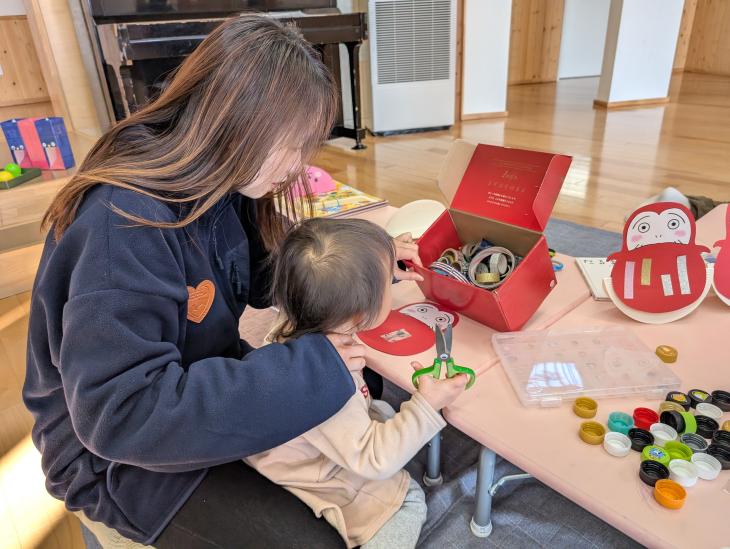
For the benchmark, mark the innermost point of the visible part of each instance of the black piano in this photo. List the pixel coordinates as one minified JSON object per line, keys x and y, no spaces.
{"x":138,"y":42}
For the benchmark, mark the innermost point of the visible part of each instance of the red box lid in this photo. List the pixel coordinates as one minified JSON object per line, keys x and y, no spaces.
{"x":514,"y":186}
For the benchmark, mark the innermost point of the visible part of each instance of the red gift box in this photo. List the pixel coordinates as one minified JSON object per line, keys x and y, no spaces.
{"x":506,"y":196}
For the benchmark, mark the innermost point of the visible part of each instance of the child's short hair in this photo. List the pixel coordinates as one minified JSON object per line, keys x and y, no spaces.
{"x":330,"y":272}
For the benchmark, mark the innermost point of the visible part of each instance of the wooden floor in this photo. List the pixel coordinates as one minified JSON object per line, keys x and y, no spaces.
{"x":620,"y":157}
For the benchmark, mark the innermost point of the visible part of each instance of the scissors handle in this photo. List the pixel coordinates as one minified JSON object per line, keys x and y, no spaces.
{"x":433,"y":370}
{"x":454,"y":369}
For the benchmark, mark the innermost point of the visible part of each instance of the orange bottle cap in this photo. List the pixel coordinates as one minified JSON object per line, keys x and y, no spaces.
{"x":669,"y":494}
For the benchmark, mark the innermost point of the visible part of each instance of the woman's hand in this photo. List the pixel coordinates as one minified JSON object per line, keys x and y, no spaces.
{"x":440,"y":392}
{"x":406,"y":249}
{"x":351,"y":353}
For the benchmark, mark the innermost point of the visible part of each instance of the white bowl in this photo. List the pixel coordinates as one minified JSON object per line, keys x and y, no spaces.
{"x":617,"y":444}
{"x":708,"y":467}
{"x":683,"y":472}
{"x":663,"y":433}
{"x":709,"y":410}
{"x":414,"y":217}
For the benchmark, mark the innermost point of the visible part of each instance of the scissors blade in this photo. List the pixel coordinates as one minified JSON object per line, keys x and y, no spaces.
{"x":440,"y":342}
{"x":447,"y":339}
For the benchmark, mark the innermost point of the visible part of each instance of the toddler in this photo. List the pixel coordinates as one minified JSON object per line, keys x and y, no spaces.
{"x":334,"y":276}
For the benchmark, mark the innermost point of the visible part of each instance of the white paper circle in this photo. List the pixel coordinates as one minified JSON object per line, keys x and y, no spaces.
{"x":415,"y":218}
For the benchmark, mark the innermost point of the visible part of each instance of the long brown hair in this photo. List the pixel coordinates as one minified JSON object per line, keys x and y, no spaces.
{"x":251,"y":86}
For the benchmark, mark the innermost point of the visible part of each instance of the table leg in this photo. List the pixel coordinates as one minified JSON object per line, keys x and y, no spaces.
{"x":432,"y":476}
{"x":353,"y":49}
{"x":481,"y":522}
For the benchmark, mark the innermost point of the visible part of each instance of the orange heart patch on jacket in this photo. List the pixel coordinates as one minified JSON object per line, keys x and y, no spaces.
{"x":200,"y":300}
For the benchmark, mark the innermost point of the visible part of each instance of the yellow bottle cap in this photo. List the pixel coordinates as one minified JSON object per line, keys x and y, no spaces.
{"x":585,"y":407}
{"x":667,"y":354}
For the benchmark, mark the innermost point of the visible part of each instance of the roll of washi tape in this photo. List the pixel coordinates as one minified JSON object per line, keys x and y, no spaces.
{"x":447,"y":270}
{"x":487,"y":278}
{"x":726,"y":425}
{"x":720,"y":453}
{"x":666,"y":405}
{"x":484,"y":255}
{"x":651,"y":471}
{"x":673,"y":419}
{"x":498,"y":264}
{"x":451,"y":256}
{"x":619,"y":422}
{"x":640,"y":438}
{"x":585,"y":407}
{"x":694,"y":441}
{"x":683,"y":472}
{"x":677,"y":450}
{"x":722,"y":438}
{"x":690,"y":423}
{"x":709,"y":410}
{"x":662,"y":433}
{"x":557,"y":265}
{"x":669,"y":494}
{"x":645,"y":418}
{"x":721,"y":399}
{"x":697,"y":396}
{"x":680,"y":398}
{"x":667,"y":354}
{"x":591,"y":432}
{"x":706,"y":426}
{"x":708,"y":468}
{"x":655,"y":453}
{"x":617,"y":444}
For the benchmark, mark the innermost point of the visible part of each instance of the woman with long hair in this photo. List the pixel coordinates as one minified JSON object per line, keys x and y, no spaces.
{"x":145,"y":398}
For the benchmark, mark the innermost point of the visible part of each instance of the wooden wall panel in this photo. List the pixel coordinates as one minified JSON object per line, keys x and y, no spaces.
{"x":537,"y":26}
{"x":22,"y":80}
{"x":685,"y":33}
{"x":709,"y":47}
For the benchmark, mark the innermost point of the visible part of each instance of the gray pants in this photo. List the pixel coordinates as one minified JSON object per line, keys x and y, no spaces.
{"x":402,"y":529}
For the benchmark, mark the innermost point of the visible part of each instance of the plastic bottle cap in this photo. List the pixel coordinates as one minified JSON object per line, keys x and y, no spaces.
{"x":641,"y":438}
{"x":662,"y":433}
{"x":698,"y":395}
{"x":709,"y":410}
{"x":591,"y":432}
{"x":683,"y":472}
{"x":585,"y":407}
{"x":721,"y":399}
{"x":673,"y":419}
{"x":706,"y":426}
{"x":651,"y":471}
{"x":655,"y":453}
{"x":667,"y":405}
{"x":694,"y":441}
{"x":678,"y":450}
{"x":620,"y":422}
{"x":708,"y":467}
{"x":667,"y":354}
{"x":690,"y":423}
{"x":680,"y":398}
{"x":722,"y":438}
{"x":617,"y":444}
{"x":669,"y":494}
{"x":721,"y":453}
{"x":645,"y":418}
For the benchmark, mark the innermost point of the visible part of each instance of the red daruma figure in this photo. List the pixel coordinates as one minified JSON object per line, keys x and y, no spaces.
{"x":660,"y":268}
{"x":722,"y":264}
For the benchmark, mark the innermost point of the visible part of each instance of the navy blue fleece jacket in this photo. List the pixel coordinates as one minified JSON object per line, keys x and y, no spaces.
{"x":132,"y":400}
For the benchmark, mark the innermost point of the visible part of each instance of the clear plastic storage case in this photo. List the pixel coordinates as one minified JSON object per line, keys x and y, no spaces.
{"x":549,"y":367}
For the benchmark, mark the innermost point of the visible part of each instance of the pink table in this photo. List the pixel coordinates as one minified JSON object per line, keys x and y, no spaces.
{"x":547,"y":446}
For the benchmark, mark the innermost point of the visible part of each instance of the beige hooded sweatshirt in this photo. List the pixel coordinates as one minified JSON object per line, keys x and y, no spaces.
{"x":349,"y":469}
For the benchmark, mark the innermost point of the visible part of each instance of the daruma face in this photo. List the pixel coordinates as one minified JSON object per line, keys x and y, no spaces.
{"x":671,"y":225}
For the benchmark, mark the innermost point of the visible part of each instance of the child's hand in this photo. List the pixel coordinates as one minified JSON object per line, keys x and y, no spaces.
{"x":406,"y":249}
{"x":440,"y":392}
{"x":351,"y":353}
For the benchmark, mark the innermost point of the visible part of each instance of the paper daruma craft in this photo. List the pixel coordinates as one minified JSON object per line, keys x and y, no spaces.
{"x":721,"y":281}
{"x":659,"y":274}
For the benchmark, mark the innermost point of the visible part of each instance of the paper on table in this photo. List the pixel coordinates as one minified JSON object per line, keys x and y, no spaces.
{"x":594,"y":270}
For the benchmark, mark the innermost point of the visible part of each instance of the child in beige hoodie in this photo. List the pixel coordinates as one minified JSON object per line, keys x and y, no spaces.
{"x":334,"y":276}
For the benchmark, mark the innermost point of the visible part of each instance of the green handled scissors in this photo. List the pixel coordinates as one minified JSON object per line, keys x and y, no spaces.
{"x":443,"y":348}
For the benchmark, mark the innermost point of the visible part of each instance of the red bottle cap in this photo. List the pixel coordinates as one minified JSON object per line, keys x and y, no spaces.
{"x":645,"y":418}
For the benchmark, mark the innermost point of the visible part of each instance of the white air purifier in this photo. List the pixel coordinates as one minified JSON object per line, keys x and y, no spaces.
{"x":412,"y":56}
